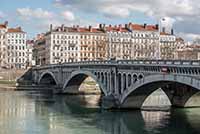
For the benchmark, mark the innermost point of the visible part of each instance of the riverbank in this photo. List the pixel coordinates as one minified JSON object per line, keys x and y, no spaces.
{"x":7,"y":85}
{"x":7,"y":88}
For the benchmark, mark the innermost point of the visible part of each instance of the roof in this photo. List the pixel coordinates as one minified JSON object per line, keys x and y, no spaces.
{"x":15,"y":30}
{"x":92,"y":30}
{"x":103,"y":28}
{"x":78,"y":29}
{"x":2,"y":26}
{"x":116,"y":28}
{"x":133,"y":27}
{"x":140,"y":27}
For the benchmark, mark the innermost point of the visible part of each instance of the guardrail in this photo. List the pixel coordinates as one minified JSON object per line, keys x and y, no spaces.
{"x":129,"y":62}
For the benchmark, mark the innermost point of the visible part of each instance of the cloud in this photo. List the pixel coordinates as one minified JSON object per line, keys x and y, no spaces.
{"x":115,"y":11}
{"x":39,"y":13}
{"x":158,"y":8}
{"x":189,"y":36}
{"x":41,"y":19}
{"x":182,"y":13}
{"x":68,"y":15}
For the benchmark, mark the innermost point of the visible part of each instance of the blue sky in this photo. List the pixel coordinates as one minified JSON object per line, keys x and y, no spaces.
{"x":36,"y":15}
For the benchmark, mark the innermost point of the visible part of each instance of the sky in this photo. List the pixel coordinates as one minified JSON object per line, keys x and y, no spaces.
{"x":35,"y":16}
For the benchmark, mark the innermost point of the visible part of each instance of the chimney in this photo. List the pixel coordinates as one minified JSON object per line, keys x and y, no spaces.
{"x":120,"y":27}
{"x":172,"y":31}
{"x":100,"y":26}
{"x":77,"y":28}
{"x":130,"y":25}
{"x":19,"y":28}
{"x":6,"y":23}
{"x":126,"y":26}
{"x":62,"y":27}
{"x":157,"y":26}
{"x":103,"y":27}
{"x":145,"y":25}
{"x":90,"y":28}
{"x":163,"y":29}
{"x":51,"y":27}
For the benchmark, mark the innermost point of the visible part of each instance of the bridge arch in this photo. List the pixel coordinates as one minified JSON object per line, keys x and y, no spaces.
{"x":77,"y":77}
{"x":47,"y":78}
{"x":145,"y":86}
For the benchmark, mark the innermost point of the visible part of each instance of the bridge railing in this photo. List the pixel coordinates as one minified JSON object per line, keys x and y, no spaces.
{"x":160,"y":62}
{"x":129,"y":62}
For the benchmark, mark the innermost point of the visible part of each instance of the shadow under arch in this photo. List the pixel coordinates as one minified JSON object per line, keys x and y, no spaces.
{"x":73,"y":83}
{"x":179,"y":90}
{"x":47,"y":78}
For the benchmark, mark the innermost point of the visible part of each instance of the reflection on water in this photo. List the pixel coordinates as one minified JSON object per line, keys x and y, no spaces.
{"x":154,"y":120}
{"x":36,"y":113}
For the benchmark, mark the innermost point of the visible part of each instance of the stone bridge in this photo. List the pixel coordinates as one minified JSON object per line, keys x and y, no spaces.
{"x":124,"y":83}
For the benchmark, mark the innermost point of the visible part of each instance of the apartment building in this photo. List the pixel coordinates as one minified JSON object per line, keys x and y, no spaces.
{"x":16,"y":48}
{"x":130,"y":41}
{"x":39,"y":50}
{"x":13,"y":52}
{"x":191,"y":52}
{"x":3,"y":46}
{"x":133,"y":41}
{"x":93,"y":44}
{"x":70,"y":44}
{"x":29,"y":47}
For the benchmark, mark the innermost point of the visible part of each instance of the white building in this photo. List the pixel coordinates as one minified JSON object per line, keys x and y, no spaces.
{"x":16,"y":48}
{"x":128,"y":42}
{"x":13,"y":52}
{"x":70,"y":44}
{"x":62,"y":44}
{"x":3,"y":47}
{"x":133,"y":41}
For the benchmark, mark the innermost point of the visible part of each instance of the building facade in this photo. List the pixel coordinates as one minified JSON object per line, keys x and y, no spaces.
{"x":29,"y":46}
{"x":13,"y":52}
{"x":133,"y":41}
{"x":3,"y":46}
{"x":70,"y":44}
{"x":130,"y":41}
{"x":16,"y":48}
{"x":189,"y":52}
{"x":167,"y":45}
{"x":93,"y":44}
{"x":61,"y":45}
{"x":39,"y":50}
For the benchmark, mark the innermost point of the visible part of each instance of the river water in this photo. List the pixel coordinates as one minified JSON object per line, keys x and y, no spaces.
{"x":38,"y":113}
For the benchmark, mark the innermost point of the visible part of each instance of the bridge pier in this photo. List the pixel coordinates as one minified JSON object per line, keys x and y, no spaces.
{"x":182,"y":96}
{"x":110,"y":102}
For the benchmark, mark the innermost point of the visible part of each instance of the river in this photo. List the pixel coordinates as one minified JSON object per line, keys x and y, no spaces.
{"x":33,"y":112}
